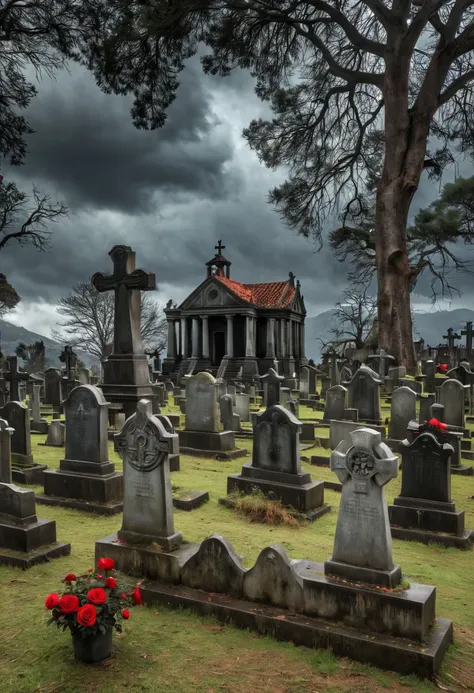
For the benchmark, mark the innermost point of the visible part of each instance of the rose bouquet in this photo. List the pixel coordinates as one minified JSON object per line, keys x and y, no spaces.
{"x":92,"y":604}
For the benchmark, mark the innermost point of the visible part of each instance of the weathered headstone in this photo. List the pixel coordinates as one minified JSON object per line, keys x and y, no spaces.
{"x":304,"y":382}
{"x":242,"y":405}
{"x":144,"y":446}
{"x":56,"y":434}
{"x":25,"y":540}
{"x":336,"y":403}
{"x":430,"y":373}
{"x":451,"y":395}
{"x":363,"y":543}
{"x":272,"y":383}
{"x":426,"y":402}
{"x":202,"y":435}
{"x":229,"y":420}
{"x":5,"y":452}
{"x":364,"y":394}
{"x":402,"y":411}
{"x":221,"y":387}
{"x":276,"y":467}
{"x":86,"y":479}
{"x":37,"y":424}
{"x":424,"y":510}
{"x":52,"y":387}
{"x":24,"y":471}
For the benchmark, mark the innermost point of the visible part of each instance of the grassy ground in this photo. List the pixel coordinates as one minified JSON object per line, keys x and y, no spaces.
{"x":175,"y":651}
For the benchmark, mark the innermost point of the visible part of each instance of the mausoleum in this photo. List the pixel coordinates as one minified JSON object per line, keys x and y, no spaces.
{"x":225,"y":326}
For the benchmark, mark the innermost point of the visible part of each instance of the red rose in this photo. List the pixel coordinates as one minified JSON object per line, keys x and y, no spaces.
{"x":51,"y":601}
{"x":123,"y":595}
{"x":99,"y":576}
{"x":126,"y":614}
{"x":442,"y":426}
{"x":111,"y":582}
{"x":87,"y":615}
{"x":106,"y":564}
{"x":70,"y":577}
{"x":136,"y":596}
{"x":69,"y":603}
{"x":433,"y":422}
{"x":97,"y":596}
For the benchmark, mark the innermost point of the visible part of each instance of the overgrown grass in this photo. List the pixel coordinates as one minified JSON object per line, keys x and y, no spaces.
{"x":164,"y":651}
{"x":257,"y":508}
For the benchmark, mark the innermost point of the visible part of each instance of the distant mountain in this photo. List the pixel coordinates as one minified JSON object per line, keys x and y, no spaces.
{"x":430,"y":326}
{"x":11,"y":336}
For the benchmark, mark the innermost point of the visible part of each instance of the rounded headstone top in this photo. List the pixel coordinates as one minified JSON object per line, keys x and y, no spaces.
{"x":204,"y":376}
{"x":81,"y":390}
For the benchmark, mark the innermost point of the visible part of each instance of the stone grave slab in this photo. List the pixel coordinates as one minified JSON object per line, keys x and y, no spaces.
{"x":424,"y":511}
{"x":24,"y":469}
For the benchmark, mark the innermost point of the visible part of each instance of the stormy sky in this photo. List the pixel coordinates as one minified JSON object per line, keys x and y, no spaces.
{"x":169,"y":194}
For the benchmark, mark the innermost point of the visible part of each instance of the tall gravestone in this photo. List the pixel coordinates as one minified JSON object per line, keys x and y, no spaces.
{"x":86,"y":479}
{"x":304,"y":382}
{"x":424,"y":511}
{"x":402,"y":411}
{"x":364,"y":394}
{"x":52,"y":387}
{"x":24,"y":469}
{"x":145,"y":446}
{"x":229,"y":419}
{"x":276,"y":467}
{"x":336,"y":403}
{"x":202,"y":434}
{"x":272,"y":383}
{"x":126,"y":378}
{"x":363,"y":543}
{"x":430,"y":373}
{"x":37,"y":424}
{"x":451,"y":396}
{"x":5,"y":452}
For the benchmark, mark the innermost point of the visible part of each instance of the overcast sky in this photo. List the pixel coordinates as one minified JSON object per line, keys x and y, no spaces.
{"x":169,"y":194}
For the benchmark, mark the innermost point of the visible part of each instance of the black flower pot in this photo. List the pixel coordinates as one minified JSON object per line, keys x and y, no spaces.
{"x":92,"y":648}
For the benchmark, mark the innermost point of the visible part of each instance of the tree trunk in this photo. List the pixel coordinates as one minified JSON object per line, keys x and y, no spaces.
{"x":393,"y":273}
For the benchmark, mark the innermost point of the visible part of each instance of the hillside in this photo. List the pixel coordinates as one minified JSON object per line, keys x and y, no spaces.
{"x":11,"y":335}
{"x":430,"y":326}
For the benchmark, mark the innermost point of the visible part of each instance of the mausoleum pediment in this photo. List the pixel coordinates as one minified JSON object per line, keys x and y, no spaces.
{"x":212,"y":294}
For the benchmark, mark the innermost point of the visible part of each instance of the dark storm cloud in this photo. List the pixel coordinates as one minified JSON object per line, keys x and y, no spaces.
{"x":169,"y":194}
{"x":85,"y":143}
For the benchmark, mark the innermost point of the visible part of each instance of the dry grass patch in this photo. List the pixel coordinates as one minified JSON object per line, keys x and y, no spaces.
{"x":256,"y":507}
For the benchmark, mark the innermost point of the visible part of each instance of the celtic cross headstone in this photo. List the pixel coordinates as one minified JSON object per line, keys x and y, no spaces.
{"x":363,"y":542}
{"x":145,"y":445}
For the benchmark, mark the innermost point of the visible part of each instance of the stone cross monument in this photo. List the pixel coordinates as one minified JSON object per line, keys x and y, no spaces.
{"x":363,"y":542}
{"x":14,"y":377}
{"x":126,"y":378}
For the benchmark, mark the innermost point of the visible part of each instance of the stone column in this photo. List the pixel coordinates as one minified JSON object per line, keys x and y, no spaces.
{"x":195,"y":338}
{"x":302,"y":341}
{"x":296,"y":332}
{"x":171,"y":339}
{"x":205,"y":336}
{"x":184,"y":338}
{"x":230,"y":336}
{"x":289,"y":338}
{"x":270,"y":338}
{"x":249,"y":338}
{"x":283,"y":338}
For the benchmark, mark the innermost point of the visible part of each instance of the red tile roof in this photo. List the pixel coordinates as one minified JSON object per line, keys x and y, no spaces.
{"x":269,"y":295}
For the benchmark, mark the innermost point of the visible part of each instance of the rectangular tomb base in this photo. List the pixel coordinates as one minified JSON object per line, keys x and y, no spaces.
{"x":387,"y":652}
{"x":43,"y":554}
{"x":31,"y":476}
{"x":89,"y":488}
{"x":145,"y":561}
{"x":463,"y":470}
{"x":305,"y":498}
{"x":369,"y":576}
{"x":227,"y":455}
{"x":465,"y":541}
{"x":437,"y":517}
{"x":86,"y":506}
